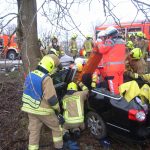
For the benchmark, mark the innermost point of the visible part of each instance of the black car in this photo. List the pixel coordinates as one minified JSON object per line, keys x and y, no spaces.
{"x":107,"y":113}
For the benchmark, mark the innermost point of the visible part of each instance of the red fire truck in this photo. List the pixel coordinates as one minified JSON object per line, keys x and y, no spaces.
{"x":9,"y":47}
{"x":127,"y":28}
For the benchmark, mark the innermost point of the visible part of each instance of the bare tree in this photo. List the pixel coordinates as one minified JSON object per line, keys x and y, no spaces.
{"x":27,"y":34}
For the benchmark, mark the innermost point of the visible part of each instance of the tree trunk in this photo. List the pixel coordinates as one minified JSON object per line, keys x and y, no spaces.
{"x":27,"y":34}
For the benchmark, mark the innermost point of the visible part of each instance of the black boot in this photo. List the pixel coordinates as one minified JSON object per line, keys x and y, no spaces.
{"x":59,"y":149}
{"x":66,"y":136}
{"x":76,"y":134}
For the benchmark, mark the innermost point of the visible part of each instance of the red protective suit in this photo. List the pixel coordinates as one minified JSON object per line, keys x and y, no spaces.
{"x":113,"y":51}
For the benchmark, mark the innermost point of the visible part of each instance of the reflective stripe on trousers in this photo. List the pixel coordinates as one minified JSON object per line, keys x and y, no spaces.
{"x":114,"y":63}
{"x":33,"y":147}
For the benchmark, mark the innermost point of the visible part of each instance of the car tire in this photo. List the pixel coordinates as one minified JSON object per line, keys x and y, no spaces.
{"x":96,"y":125}
{"x":11,"y":55}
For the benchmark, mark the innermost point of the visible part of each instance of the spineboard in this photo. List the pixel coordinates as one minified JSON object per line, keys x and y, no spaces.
{"x":91,"y":64}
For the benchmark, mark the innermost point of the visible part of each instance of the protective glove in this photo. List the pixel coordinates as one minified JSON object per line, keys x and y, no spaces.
{"x":134,"y":75}
{"x":61,"y":119}
{"x":71,"y":145}
{"x":93,"y":85}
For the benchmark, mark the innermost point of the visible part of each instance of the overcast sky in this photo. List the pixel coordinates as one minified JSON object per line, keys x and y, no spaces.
{"x":85,"y":16}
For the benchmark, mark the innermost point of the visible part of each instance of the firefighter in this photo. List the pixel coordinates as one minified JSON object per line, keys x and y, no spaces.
{"x":102,"y":36}
{"x":56,"y":46}
{"x":135,"y":64}
{"x":129,"y":46}
{"x":73,"y":105}
{"x":113,"y":52}
{"x":73,"y":46}
{"x":88,"y":45}
{"x":41,"y":103}
{"x":132,"y":38}
{"x":142,"y":44}
{"x":97,"y":76}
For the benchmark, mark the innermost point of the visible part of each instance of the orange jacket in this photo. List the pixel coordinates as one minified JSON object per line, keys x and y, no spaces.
{"x":113,"y":51}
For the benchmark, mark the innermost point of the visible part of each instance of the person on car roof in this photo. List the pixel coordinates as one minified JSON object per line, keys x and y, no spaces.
{"x":73,"y":106}
{"x":113,"y":55}
{"x":98,"y":73}
{"x":40,"y":102}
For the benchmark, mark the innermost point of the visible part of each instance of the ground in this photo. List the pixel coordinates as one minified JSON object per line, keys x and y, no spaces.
{"x":14,"y":123}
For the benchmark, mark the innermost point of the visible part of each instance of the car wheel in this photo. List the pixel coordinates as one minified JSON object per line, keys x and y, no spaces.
{"x":96,"y":125}
{"x":11,"y":55}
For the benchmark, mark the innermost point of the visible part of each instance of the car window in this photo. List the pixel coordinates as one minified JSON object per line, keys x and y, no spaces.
{"x":60,"y":76}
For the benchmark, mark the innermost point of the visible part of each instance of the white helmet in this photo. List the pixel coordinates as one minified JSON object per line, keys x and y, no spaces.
{"x":102,"y":33}
{"x":111,"y":31}
{"x":79,"y":60}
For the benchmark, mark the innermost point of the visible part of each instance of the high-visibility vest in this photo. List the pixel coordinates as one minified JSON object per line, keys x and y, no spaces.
{"x":88,"y":45}
{"x":32,"y":95}
{"x":73,"y":111}
{"x":113,"y":55}
{"x":73,"y":45}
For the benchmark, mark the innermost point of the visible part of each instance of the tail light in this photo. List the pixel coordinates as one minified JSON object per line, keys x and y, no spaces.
{"x":136,"y":115}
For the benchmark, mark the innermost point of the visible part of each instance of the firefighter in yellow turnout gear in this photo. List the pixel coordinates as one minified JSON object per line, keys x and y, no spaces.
{"x":88,"y":45}
{"x":135,"y":64}
{"x":73,"y":45}
{"x":40,"y":102}
{"x":73,"y":105}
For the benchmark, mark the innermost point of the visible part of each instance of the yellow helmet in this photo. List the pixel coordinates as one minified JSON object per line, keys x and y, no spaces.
{"x":88,"y":36}
{"x":130,"y":45}
{"x":79,"y":66}
{"x":47,"y":63}
{"x":72,"y":86}
{"x":132,"y":35}
{"x":74,"y":36}
{"x":53,"y":37}
{"x":140,"y":34}
{"x":53,"y":51}
{"x":136,"y":53}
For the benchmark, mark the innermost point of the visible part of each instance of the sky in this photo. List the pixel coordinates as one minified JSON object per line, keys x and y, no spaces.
{"x":85,"y":16}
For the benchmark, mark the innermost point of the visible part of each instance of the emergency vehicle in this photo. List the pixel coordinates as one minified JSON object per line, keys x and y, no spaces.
{"x":128,"y":28}
{"x":9,"y":47}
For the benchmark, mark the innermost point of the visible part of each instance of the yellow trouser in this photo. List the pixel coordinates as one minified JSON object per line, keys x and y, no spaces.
{"x":35,"y":125}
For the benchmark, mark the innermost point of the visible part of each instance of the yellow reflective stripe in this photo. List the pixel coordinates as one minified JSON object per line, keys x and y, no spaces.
{"x":33,"y":147}
{"x":114,"y":63}
{"x":93,"y":84}
{"x":74,"y":49}
{"x":61,"y":129}
{"x":29,"y":100}
{"x":39,"y":111}
{"x":38,"y":73}
{"x":74,"y":121}
{"x":84,"y":88}
{"x":57,"y":139}
{"x":79,"y":107}
{"x":56,"y":106}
